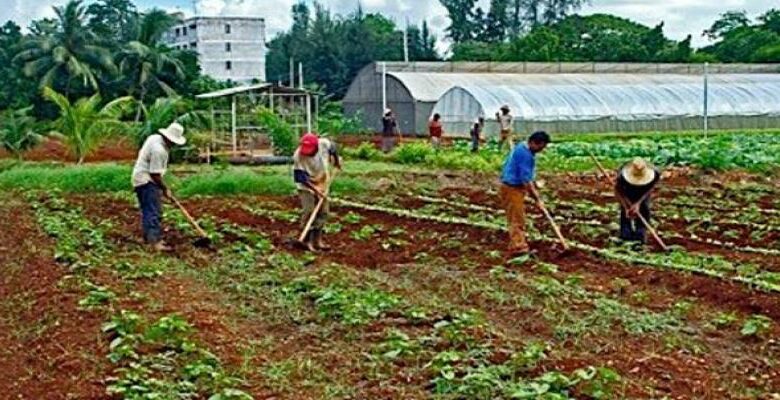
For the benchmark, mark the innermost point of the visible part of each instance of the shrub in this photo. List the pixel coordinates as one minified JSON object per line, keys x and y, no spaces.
{"x":413,"y":153}
{"x":18,"y":132}
{"x":282,"y":134}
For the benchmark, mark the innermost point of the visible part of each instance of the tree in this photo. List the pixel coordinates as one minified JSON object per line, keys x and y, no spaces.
{"x":496,"y":22}
{"x":461,"y":13}
{"x":145,"y":63}
{"x":85,"y":124}
{"x":18,"y":132}
{"x":114,"y":22}
{"x":422,"y":44}
{"x":163,"y":112}
{"x":728,"y":22}
{"x":68,"y":53}
{"x":16,"y":90}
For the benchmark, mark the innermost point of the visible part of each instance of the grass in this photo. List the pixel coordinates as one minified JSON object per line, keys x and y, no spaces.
{"x":104,"y":178}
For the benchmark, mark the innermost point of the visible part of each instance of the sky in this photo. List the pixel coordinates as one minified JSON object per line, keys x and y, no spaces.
{"x":681,"y":17}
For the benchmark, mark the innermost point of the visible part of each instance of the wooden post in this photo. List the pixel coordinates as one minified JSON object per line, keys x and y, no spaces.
{"x":233,"y":124}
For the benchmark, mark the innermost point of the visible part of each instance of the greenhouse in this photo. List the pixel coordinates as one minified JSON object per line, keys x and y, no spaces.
{"x":576,"y":97}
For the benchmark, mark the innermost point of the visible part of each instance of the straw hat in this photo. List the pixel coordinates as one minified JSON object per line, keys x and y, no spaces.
{"x":388,"y":111}
{"x":639,"y":173}
{"x":505,"y":107}
{"x":175,"y":133}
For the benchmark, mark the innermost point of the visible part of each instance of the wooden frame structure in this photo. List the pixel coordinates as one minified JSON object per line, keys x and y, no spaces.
{"x":298,"y":107}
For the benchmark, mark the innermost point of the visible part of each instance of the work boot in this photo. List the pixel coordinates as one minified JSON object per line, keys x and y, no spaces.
{"x":162,"y":247}
{"x":309,"y":241}
{"x":319,"y":243}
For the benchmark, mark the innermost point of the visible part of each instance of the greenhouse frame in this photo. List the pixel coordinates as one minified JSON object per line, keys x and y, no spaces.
{"x":569,"y":97}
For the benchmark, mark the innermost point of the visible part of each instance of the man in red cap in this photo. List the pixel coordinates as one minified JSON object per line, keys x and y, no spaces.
{"x":310,"y":169}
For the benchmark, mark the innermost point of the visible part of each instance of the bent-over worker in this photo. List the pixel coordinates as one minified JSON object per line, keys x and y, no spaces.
{"x":517,"y":181}
{"x":635,"y":183}
{"x":312,"y":177}
{"x":149,"y":184}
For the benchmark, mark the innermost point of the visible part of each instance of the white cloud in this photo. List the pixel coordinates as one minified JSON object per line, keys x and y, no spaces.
{"x":682,"y":17}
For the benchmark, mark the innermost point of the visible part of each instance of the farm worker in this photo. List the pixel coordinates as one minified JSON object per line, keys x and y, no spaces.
{"x":517,"y":181}
{"x":389,"y":129}
{"x":504,"y":118}
{"x":149,"y":184}
{"x":435,"y":129}
{"x":635,"y":182}
{"x":310,"y":170}
{"x":476,"y":134}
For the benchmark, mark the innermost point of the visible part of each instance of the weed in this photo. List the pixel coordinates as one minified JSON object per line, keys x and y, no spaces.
{"x":756,"y":326}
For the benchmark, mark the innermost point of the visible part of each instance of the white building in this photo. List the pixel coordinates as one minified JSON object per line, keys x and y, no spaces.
{"x":229,"y":48}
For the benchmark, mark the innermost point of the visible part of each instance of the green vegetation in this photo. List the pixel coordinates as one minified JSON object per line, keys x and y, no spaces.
{"x":18,"y":132}
{"x":85,"y":124}
{"x":116,"y":178}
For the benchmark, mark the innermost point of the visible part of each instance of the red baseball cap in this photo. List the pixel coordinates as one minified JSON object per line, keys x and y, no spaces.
{"x":310,"y":143}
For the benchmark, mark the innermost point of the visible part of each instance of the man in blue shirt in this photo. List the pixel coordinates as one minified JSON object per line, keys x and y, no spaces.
{"x":517,"y":180}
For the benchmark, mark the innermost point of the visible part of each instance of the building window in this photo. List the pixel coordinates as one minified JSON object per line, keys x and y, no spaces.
{"x":227,"y":47}
{"x":227,"y":29}
{"x":192,"y":27}
{"x":184,"y":31}
{"x":194,"y":45}
{"x":178,"y":32}
{"x":184,"y":47}
{"x":228,"y":65}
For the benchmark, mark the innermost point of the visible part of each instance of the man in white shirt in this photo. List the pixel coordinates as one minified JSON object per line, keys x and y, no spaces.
{"x":311,"y":175}
{"x":504,"y":118}
{"x":148,"y":181}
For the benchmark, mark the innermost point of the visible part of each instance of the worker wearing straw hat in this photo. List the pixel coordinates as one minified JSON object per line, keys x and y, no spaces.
{"x":504,"y":118}
{"x":149,"y":184}
{"x":311,"y":175}
{"x":633,"y":188}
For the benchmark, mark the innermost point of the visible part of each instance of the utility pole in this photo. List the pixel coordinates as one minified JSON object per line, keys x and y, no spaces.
{"x":292,"y":72}
{"x":300,"y":75}
{"x":706,"y":99}
{"x":384,"y":87}
{"x":406,"y":41}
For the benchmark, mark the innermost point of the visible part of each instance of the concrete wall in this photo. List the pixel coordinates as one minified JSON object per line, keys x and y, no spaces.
{"x":210,"y":36}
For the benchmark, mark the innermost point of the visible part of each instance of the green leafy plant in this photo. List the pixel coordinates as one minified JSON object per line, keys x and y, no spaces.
{"x":18,"y":132}
{"x":756,"y":326}
{"x":84,"y":125}
{"x":282,"y":135}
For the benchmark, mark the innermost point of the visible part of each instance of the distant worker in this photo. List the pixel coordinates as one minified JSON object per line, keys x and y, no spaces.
{"x":517,"y":181}
{"x":635,"y":183}
{"x":149,"y":184}
{"x":312,"y":177}
{"x":476,"y":134}
{"x":389,"y":130}
{"x":504,"y":118}
{"x":436,"y":130}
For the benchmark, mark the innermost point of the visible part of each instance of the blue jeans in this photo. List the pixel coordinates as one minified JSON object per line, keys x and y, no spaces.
{"x":632,"y":229}
{"x":150,"y":200}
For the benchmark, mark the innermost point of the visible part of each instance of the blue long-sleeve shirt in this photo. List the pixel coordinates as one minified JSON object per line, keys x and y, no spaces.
{"x":520,"y":167}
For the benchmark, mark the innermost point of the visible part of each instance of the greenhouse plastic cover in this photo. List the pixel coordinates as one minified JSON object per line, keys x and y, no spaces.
{"x":557,"y":97}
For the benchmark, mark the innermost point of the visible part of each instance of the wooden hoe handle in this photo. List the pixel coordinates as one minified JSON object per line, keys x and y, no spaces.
{"x":192,"y":221}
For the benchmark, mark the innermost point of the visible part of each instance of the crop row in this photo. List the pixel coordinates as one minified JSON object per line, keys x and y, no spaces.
{"x":152,"y":359}
{"x":679,"y":261}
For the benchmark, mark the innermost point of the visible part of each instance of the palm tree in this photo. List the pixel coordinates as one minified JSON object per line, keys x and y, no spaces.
{"x":69,"y":53}
{"x":17,"y":132}
{"x":163,"y":112}
{"x":146,"y":62}
{"x":84,"y":125}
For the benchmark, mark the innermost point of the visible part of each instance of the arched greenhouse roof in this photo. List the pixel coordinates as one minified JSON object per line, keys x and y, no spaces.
{"x":582,"y":97}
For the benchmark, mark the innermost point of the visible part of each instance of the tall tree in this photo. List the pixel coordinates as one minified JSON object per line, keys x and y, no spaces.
{"x":114,"y":22}
{"x":728,"y":22}
{"x":461,"y":14}
{"x":68,"y":56}
{"x":147,"y":64}
{"x":496,"y":22}
{"x":16,"y":90}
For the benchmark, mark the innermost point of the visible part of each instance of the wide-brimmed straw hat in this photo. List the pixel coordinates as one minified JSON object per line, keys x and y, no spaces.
{"x":639,"y":172}
{"x":175,"y":133}
{"x":310,"y":143}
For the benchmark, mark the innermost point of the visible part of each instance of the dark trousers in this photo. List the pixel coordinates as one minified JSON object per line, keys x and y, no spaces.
{"x":632,"y":229}
{"x":150,"y":201}
{"x":474,"y":144}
